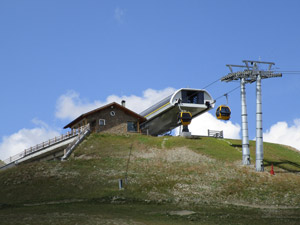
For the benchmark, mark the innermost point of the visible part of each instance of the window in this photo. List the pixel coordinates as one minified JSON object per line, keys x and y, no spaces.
{"x":131,"y":126}
{"x":102,"y":122}
{"x":112,"y":113}
{"x":193,"y":97}
{"x":225,"y":111}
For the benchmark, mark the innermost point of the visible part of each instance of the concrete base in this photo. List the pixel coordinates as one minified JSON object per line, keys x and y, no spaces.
{"x":185,"y":134}
{"x":259,"y":165}
{"x":246,"y":160}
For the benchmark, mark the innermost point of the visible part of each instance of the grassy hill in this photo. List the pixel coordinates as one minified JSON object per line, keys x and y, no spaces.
{"x":170,"y":180}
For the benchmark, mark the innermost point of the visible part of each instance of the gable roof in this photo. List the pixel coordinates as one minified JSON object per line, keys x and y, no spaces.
{"x":126,"y":110}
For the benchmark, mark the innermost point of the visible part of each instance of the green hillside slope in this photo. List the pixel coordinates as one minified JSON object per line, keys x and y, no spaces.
{"x":164,"y":174}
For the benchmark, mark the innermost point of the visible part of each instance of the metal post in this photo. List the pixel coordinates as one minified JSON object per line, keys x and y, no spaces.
{"x":120,"y":184}
{"x":185,"y":128}
{"x":259,"y":135}
{"x":245,"y":138}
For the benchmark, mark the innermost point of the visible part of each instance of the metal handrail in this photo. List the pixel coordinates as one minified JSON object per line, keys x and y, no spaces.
{"x":77,"y":140}
{"x":50,"y":142}
{"x":215,"y":133}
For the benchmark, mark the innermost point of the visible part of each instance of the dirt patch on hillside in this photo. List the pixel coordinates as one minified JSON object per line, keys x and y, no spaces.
{"x":173,"y":155}
{"x":182,"y":213}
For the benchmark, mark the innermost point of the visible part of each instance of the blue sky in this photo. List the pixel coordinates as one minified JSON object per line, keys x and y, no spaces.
{"x":86,"y":51}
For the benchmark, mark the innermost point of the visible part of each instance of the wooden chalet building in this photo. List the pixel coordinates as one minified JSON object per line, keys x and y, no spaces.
{"x":111,"y":118}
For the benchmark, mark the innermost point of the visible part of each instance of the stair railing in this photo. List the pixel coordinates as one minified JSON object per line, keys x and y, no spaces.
{"x":45,"y":144}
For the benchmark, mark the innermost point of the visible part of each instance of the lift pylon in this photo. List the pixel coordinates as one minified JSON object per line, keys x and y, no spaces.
{"x":244,"y":78}
{"x":250,"y":75}
{"x":258,"y":75}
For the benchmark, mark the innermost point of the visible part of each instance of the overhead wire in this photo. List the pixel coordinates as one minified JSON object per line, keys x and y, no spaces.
{"x":212,"y":83}
{"x":227,"y":93}
{"x":293,"y":72}
{"x":288,"y":72}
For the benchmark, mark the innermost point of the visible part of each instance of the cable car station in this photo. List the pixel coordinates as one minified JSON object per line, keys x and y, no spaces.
{"x":178,"y":109}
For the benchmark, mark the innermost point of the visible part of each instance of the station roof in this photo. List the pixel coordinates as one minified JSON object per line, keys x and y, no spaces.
{"x":114,"y":104}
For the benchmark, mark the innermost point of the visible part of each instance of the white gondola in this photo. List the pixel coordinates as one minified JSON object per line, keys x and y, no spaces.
{"x":163,"y":116}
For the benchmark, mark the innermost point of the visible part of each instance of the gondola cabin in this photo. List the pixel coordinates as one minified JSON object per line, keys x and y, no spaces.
{"x":185,"y":118}
{"x":223,"y":112}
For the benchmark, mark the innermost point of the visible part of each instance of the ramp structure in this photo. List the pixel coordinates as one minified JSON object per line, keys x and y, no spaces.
{"x":163,"y":116}
{"x":55,"y":148}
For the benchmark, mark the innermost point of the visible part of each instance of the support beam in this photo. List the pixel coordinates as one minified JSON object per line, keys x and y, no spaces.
{"x":245,"y":138}
{"x":185,"y":128}
{"x":259,"y":165}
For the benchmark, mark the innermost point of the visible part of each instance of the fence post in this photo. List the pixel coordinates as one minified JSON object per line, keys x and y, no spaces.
{"x":120,"y":184}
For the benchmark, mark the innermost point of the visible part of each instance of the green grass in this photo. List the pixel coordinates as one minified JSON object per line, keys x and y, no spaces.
{"x":94,"y":212}
{"x":164,"y":174}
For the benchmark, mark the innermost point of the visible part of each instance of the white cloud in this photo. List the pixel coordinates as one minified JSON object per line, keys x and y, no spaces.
{"x":207,"y":121}
{"x":70,"y":105}
{"x":138,"y":104}
{"x":25,"y":138}
{"x":119,"y":15}
{"x":282,"y":133}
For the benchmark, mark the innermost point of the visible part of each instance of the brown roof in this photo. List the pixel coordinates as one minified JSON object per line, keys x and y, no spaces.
{"x":128,"y":111}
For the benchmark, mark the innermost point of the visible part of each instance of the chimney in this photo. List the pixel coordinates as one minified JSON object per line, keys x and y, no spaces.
{"x":123,"y":103}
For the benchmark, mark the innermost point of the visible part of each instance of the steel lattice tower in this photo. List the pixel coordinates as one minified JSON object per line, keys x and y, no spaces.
{"x":250,"y":75}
